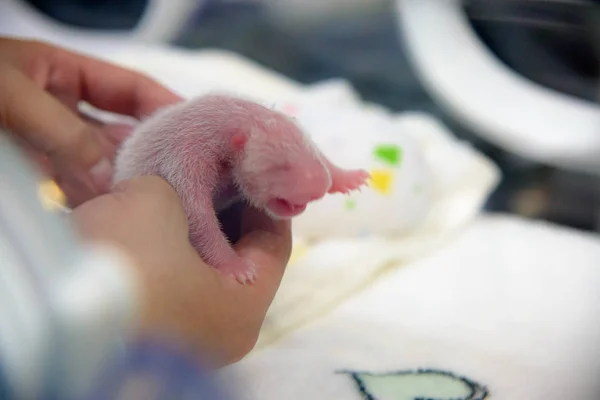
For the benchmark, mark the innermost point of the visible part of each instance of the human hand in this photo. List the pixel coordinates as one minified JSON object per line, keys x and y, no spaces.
{"x":40,"y":89}
{"x":183,"y":298}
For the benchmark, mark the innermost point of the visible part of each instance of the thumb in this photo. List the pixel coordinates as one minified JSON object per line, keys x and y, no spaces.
{"x":269,"y":244}
{"x":147,"y":205}
{"x":151,"y":186}
{"x":151,"y":196}
{"x":50,"y":127}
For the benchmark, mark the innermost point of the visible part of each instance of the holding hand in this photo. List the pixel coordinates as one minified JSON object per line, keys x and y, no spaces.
{"x":186,"y":299}
{"x":41,"y":87}
{"x":183,"y":298}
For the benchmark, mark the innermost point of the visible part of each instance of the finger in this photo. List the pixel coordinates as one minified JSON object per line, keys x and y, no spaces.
{"x":49,"y":126}
{"x":76,"y":188}
{"x":72,"y":77}
{"x":266,"y":238}
{"x":154,"y":196}
{"x":268,"y":243}
{"x":44,"y":165}
{"x":115,"y":134}
{"x":104,"y":85}
{"x":119,"y":90}
{"x":74,"y":185}
{"x":255,"y":220}
{"x":110,"y":136}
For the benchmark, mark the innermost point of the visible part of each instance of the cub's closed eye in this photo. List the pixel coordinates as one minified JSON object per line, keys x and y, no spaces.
{"x":281,"y":168}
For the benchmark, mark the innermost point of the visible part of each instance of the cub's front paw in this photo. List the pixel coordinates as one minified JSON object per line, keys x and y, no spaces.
{"x":242,"y":269}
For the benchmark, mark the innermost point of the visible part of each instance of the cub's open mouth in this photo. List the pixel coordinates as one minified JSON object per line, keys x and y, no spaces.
{"x":284,"y":208}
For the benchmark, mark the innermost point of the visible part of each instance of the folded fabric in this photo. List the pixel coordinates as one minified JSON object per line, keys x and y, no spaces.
{"x":510,"y":310}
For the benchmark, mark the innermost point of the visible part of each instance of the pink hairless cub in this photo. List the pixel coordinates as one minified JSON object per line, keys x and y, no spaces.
{"x":215,"y":150}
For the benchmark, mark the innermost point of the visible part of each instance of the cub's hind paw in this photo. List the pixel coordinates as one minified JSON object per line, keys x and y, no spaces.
{"x":347,"y":181}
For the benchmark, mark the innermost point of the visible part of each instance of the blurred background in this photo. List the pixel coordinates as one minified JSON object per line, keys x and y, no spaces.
{"x":552,"y":43}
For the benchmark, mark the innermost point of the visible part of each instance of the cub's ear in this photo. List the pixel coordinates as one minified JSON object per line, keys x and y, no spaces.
{"x":238,"y":141}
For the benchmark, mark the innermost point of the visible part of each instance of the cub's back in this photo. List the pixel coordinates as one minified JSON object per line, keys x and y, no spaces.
{"x":159,"y":144}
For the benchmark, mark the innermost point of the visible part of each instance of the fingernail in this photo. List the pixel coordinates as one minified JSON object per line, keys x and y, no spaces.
{"x":101,"y":174}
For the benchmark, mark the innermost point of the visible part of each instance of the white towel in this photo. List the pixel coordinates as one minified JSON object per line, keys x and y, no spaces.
{"x":511,"y":306}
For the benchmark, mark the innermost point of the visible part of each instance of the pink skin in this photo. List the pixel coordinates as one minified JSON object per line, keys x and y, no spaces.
{"x":210,"y":145}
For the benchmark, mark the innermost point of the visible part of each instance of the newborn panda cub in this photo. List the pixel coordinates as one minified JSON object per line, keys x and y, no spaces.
{"x":215,"y":150}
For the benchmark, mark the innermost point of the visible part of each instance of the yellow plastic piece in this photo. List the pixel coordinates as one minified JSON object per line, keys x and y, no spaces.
{"x":52,"y":196}
{"x":381,"y":181}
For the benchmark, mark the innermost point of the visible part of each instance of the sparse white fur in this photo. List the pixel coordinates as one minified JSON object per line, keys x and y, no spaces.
{"x":215,"y":149}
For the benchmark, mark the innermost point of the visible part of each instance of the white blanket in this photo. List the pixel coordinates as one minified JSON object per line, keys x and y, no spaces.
{"x":511,"y":305}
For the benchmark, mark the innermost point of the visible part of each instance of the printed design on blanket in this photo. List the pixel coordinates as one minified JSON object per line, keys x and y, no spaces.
{"x":381,"y":178}
{"x":421,"y":384}
{"x":350,"y":204}
{"x":381,"y":181}
{"x":390,"y":154}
